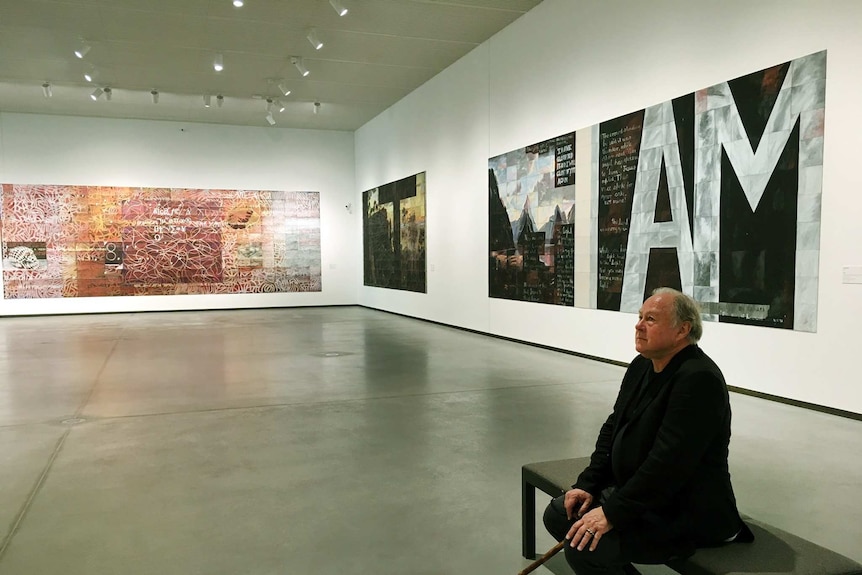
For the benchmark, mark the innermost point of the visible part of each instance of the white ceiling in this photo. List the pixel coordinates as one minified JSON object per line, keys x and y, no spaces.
{"x":372,"y":57}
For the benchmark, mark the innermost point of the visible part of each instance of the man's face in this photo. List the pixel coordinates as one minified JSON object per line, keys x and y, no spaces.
{"x":656,"y":336}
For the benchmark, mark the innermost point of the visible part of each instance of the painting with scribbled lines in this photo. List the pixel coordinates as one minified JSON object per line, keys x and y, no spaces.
{"x":86,"y":241}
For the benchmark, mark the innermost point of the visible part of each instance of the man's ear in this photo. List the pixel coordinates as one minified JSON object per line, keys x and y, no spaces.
{"x":685,"y":329}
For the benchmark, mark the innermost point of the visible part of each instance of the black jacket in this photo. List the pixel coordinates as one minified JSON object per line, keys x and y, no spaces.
{"x":664,"y":449}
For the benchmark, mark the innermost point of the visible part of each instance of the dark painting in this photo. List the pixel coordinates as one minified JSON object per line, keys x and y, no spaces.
{"x":393,"y":224}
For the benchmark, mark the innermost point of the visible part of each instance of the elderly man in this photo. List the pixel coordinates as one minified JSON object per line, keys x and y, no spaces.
{"x":658,"y":485}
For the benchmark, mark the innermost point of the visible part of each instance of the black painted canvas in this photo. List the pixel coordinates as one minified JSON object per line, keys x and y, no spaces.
{"x":393,"y":226}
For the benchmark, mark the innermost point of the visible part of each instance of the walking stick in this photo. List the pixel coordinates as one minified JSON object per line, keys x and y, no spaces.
{"x":535,"y":564}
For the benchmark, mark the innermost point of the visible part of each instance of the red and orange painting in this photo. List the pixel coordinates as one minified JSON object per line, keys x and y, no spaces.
{"x":84,"y":241}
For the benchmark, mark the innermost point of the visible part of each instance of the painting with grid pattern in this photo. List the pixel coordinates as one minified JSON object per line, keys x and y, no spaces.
{"x":82,"y":241}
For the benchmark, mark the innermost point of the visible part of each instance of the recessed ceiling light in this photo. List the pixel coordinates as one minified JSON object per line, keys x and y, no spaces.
{"x":238,"y":3}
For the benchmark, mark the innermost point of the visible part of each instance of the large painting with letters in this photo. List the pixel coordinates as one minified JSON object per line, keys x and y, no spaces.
{"x":716,"y":193}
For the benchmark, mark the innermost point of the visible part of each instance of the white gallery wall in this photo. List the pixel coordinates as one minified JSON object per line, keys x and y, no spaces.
{"x":570,"y":64}
{"x":42,"y":149}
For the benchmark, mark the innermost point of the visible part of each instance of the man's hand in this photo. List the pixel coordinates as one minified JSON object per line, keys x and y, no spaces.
{"x":589,"y":529}
{"x":577,"y":503}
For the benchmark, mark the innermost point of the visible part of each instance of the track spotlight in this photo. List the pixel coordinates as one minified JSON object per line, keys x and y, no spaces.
{"x":96,"y":93}
{"x":270,"y":120}
{"x":90,"y":73}
{"x":46,"y":90}
{"x":82,"y":50}
{"x":313,"y":38}
{"x":297,"y":61}
{"x":269,"y":106}
{"x":155,"y":95}
{"x":339,"y":7}
{"x":280,"y":105}
{"x":219,"y":100}
{"x":207,"y":100}
{"x":108,"y":93}
{"x":218,"y":62}
{"x":316,"y":107}
{"x":238,"y":3}
{"x":284,"y":89}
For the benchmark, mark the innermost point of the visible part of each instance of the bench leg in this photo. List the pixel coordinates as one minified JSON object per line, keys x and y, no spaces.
{"x":528,"y":520}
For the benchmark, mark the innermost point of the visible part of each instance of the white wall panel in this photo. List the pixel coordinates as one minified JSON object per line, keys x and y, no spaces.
{"x":36,"y":149}
{"x":567,"y":65}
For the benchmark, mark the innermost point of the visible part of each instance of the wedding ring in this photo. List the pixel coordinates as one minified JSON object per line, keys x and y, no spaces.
{"x":591,"y":532}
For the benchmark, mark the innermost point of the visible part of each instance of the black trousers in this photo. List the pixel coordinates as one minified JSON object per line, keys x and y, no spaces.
{"x":616,"y":550}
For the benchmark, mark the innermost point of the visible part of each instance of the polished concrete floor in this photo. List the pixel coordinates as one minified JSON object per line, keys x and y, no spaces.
{"x":329,"y":441}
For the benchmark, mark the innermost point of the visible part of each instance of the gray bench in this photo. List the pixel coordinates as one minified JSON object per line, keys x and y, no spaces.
{"x":774,"y":551}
